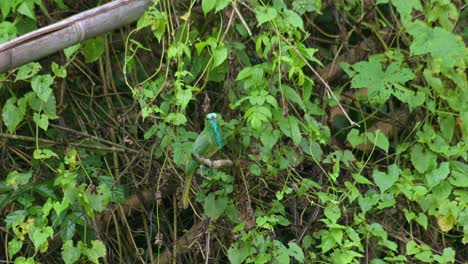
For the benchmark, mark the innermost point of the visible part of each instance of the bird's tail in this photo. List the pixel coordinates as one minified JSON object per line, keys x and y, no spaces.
{"x":191,"y":166}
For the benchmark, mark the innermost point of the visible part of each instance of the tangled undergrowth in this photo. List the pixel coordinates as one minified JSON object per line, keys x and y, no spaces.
{"x":346,"y":121}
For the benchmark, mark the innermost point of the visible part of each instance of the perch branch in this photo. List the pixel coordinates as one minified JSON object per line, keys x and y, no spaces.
{"x":212,"y":163}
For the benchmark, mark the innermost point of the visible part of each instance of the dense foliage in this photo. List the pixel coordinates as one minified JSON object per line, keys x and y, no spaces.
{"x":346,"y":121}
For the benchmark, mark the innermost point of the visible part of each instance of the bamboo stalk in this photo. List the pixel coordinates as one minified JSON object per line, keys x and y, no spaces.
{"x":82,"y":26}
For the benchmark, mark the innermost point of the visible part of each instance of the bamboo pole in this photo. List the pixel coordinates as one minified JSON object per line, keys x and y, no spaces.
{"x":55,"y":37}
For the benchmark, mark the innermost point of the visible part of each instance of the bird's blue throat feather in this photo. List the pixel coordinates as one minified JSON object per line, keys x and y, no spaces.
{"x":219,"y":139}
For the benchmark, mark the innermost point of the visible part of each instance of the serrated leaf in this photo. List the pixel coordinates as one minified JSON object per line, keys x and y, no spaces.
{"x":380,"y":84}
{"x":442,"y":45}
{"x":41,"y":86}
{"x":405,"y":8}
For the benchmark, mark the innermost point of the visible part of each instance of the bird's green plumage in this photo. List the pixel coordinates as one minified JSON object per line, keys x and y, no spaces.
{"x":207,"y":143}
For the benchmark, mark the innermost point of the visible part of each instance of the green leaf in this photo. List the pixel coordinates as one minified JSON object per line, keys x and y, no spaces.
{"x":412,"y":248}
{"x":70,"y":51}
{"x":425,"y":256}
{"x":7,"y":31}
{"x":236,"y":255}
{"x":290,"y":127}
{"x":332,"y":213}
{"x":447,"y":257}
{"x":434,"y":177}
{"x":221,"y":4}
{"x":13,"y":114}
{"x":93,"y":49}
{"x":39,"y":237}
{"x":354,"y":138}
{"x":296,"y":252}
{"x":5,"y":6}
{"x":405,"y":8}
{"x":182,"y":152}
{"x":44,"y":154}
{"x":422,"y":220}
{"x":445,"y":47}
{"x":219,"y":56}
{"x":422,"y":158}
{"x":27,"y":71}
{"x":70,"y":254}
{"x":361,"y":179}
{"x":258,"y":115}
{"x":41,"y":86}
{"x":208,"y":5}
{"x":176,"y":118}
{"x":101,"y":198}
{"x":380,"y":140}
{"x":269,"y":138}
{"x":23,"y":260}
{"x":292,"y":95}
{"x":27,"y":8}
{"x":16,"y":179}
{"x":447,"y":126}
{"x":214,"y":206}
{"x":265,"y":14}
{"x":59,"y":70}
{"x":302,"y":6}
{"x":41,"y":120}
{"x":293,"y":19}
{"x":183,"y":97}
{"x":370,"y":199}
{"x":14,"y":246}
{"x":386,"y":180}
{"x":380,"y":84}
{"x":96,"y":251}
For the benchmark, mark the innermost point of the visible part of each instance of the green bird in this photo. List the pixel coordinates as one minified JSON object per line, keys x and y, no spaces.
{"x":206,"y":145}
